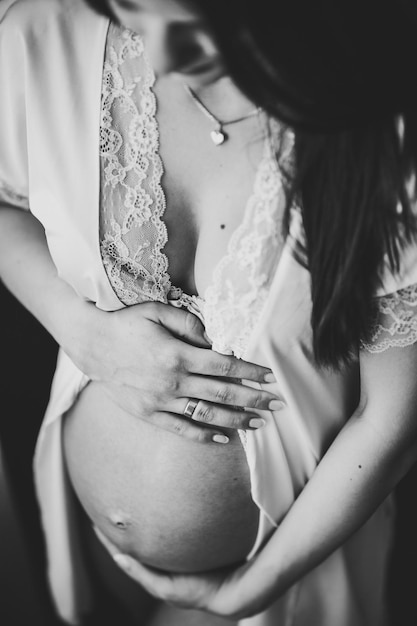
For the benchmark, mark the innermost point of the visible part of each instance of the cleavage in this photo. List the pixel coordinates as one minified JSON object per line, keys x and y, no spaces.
{"x":206,"y":189}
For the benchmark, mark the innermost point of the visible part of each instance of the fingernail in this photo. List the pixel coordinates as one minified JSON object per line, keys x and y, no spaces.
{"x":270,"y":378}
{"x":257,"y":422}
{"x":220,"y":439}
{"x":122,"y":560}
{"x":276,"y":405}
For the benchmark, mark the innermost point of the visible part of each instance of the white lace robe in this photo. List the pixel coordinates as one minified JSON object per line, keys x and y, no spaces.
{"x":69,"y":93}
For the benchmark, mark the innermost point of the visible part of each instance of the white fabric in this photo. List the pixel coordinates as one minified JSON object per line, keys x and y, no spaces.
{"x":51,"y":70}
{"x":133,"y":233}
{"x":395,"y":324}
{"x":395,"y":320}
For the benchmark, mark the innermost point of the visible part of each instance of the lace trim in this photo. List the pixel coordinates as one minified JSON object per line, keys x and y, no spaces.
{"x":241,"y":280}
{"x":7,"y":194}
{"x":395,"y":323}
{"x":131,"y":229}
{"x":132,"y":233}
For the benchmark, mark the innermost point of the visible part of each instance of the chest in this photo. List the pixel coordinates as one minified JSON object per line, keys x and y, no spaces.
{"x":172,"y":202}
{"x":206,"y":187}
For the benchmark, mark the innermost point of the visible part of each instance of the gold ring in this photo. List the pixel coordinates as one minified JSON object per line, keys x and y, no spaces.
{"x":190,"y":407}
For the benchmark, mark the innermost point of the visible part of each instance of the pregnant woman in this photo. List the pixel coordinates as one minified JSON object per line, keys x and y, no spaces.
{"x":179,"y":219}
{"x":157,"y":186}
{"x":142,"y":205}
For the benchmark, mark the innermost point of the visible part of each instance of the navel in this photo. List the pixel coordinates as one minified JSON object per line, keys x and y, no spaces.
{"x":119,"y":520}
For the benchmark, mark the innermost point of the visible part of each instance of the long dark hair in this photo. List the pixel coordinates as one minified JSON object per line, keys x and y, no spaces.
{"x":340,"y":74}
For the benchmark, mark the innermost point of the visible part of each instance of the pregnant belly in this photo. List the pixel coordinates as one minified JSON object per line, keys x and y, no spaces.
{"x":172,"y":503}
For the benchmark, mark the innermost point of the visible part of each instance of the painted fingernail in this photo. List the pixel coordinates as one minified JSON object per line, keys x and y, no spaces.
{"x":220,"y":439}
{"x":122,"y":560}
{"x":257,"y":422}
{"x":270,"y":378}
{"x":276,"y":405}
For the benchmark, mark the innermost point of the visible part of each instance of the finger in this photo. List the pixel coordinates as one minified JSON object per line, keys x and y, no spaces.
{"x":210,"y":363}
{"x":158,"y":584}
{"x":180,"y":323}
{"x":224,"y":392}
{"x":147,"y":577}
{"x":220,"y":415}
{"x":136,"y":570}
{"x":179,"y":425}
{"x":181,"y":590}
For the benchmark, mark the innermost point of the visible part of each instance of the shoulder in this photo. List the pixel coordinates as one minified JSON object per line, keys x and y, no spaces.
{"x":395,"y":304}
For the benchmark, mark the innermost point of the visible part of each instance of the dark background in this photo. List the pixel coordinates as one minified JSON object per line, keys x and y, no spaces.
{"x":27,"y":359}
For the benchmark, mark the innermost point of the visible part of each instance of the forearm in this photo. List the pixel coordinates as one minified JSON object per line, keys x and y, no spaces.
{"x":27,"y":270}
{"x":352,"y":480}
{"x":366,"y":461}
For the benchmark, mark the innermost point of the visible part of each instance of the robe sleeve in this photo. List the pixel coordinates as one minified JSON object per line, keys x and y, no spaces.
{"x":394,"y":324}
{"x":394,"y":319}
{"x":14,"y":179}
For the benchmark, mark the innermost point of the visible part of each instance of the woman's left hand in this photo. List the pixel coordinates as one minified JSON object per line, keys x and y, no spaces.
{"x":230,"y":593}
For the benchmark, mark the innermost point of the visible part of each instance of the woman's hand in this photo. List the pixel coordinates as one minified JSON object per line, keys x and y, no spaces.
{"x":234,"y":593}
{"x":153,"y":358}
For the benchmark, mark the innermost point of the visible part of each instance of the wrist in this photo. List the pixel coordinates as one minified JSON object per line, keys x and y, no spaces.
{"x":71,"y":320}
{"x":81,"y":334}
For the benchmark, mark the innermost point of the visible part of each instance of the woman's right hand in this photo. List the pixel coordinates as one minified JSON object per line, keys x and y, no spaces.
{"x":152,"y":359}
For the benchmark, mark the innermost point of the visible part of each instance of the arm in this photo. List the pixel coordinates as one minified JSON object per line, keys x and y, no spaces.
{"x":366,"y":461}
{"x":368,"y":458}
{"x":27,"y":270}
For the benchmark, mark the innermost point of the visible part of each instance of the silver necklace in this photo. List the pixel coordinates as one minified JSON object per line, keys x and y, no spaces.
{"x":218,"y":136}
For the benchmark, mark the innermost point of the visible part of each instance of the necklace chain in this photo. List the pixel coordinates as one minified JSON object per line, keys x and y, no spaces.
{"x":218,"y":136}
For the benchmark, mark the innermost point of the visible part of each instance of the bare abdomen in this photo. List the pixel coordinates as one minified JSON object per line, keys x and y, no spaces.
{"x":172,"y":503}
